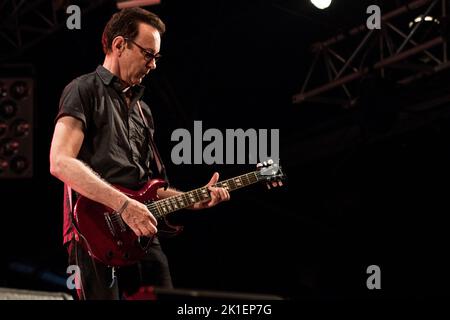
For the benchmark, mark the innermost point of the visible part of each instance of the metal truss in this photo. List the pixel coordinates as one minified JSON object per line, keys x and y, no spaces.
{"x":400,"y":51}
{"x":23,"y":24}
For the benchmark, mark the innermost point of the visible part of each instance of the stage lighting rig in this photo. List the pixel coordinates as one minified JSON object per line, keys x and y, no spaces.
{"x":121,"y":4}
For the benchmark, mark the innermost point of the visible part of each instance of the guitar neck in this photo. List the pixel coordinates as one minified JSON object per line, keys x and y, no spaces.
{"x":163,"y":207}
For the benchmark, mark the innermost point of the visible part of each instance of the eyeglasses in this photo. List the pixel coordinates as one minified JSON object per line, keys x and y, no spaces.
{"x":148,"y":55}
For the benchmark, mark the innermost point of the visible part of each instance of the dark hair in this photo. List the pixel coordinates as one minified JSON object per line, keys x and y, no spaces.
{"x":126,"y":23}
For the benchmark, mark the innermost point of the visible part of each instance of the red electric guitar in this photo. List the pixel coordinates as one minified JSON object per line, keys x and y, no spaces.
{"x":108,"y":238}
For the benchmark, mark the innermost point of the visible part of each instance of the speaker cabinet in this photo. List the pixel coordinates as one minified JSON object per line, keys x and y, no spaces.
{"x":16,"y":127}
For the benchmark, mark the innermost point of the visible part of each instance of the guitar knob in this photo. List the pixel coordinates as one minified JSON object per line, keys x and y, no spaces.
{"x":270,"y":162}
{"x":120,"y":243}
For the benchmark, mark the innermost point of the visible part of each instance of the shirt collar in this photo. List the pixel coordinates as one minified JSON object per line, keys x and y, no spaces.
{"x":108,"y":78}
{"x":105,"y":75}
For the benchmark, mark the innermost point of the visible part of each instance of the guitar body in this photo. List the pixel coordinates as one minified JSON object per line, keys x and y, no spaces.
{"x":103,"y":233}
{"x":107,"y":238}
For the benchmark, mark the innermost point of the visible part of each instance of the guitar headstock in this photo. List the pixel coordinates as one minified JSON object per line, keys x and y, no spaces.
{"x":271,"y":172}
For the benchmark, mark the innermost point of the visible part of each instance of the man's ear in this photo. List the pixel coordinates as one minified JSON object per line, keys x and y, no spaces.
{"x":119,"y":43}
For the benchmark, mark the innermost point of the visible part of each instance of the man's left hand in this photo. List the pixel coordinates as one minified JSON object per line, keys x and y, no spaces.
{"x":217,"y":194}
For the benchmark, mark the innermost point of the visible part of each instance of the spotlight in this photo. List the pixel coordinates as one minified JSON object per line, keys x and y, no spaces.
{"x":321,"y":4}
{"x":9,"y":147}
{"x":19,"y":164}
{"x":8,"y":109}
{"x":20,"y":128}
{"x":426,"y":19}
{"x":3,"y":128}
{"x":3,"y":91}
{"x":19,"y":90}
{"x":3,"y":165}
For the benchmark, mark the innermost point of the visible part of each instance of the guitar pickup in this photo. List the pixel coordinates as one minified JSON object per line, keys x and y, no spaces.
{"x":110,"y":224}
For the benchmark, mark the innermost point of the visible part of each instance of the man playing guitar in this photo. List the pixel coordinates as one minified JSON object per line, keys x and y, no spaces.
{"x":102,"y":139}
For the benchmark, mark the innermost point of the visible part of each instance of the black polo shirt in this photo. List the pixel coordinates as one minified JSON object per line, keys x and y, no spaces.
{"x":115,"y":144}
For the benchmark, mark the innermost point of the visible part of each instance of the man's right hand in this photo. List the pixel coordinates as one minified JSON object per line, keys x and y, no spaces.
{"x":137,"y":216}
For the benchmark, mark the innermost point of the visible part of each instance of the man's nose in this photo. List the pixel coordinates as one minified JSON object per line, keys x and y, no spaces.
{"x":151,"y":65}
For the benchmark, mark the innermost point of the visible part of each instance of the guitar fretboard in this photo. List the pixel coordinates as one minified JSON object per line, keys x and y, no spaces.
{"x":165,"y":206}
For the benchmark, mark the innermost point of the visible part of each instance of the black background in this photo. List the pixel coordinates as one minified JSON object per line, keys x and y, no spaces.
{"x":236,"y":65}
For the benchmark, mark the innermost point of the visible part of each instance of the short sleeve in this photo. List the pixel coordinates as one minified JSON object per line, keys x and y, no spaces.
{"x":75,"y":102}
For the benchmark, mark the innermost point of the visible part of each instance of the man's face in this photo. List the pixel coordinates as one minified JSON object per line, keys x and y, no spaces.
{"x":134,"y":66}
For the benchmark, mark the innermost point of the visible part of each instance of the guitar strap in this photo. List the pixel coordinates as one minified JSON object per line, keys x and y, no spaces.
{"x":158,"y":160}
{"x":166,"y":229}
